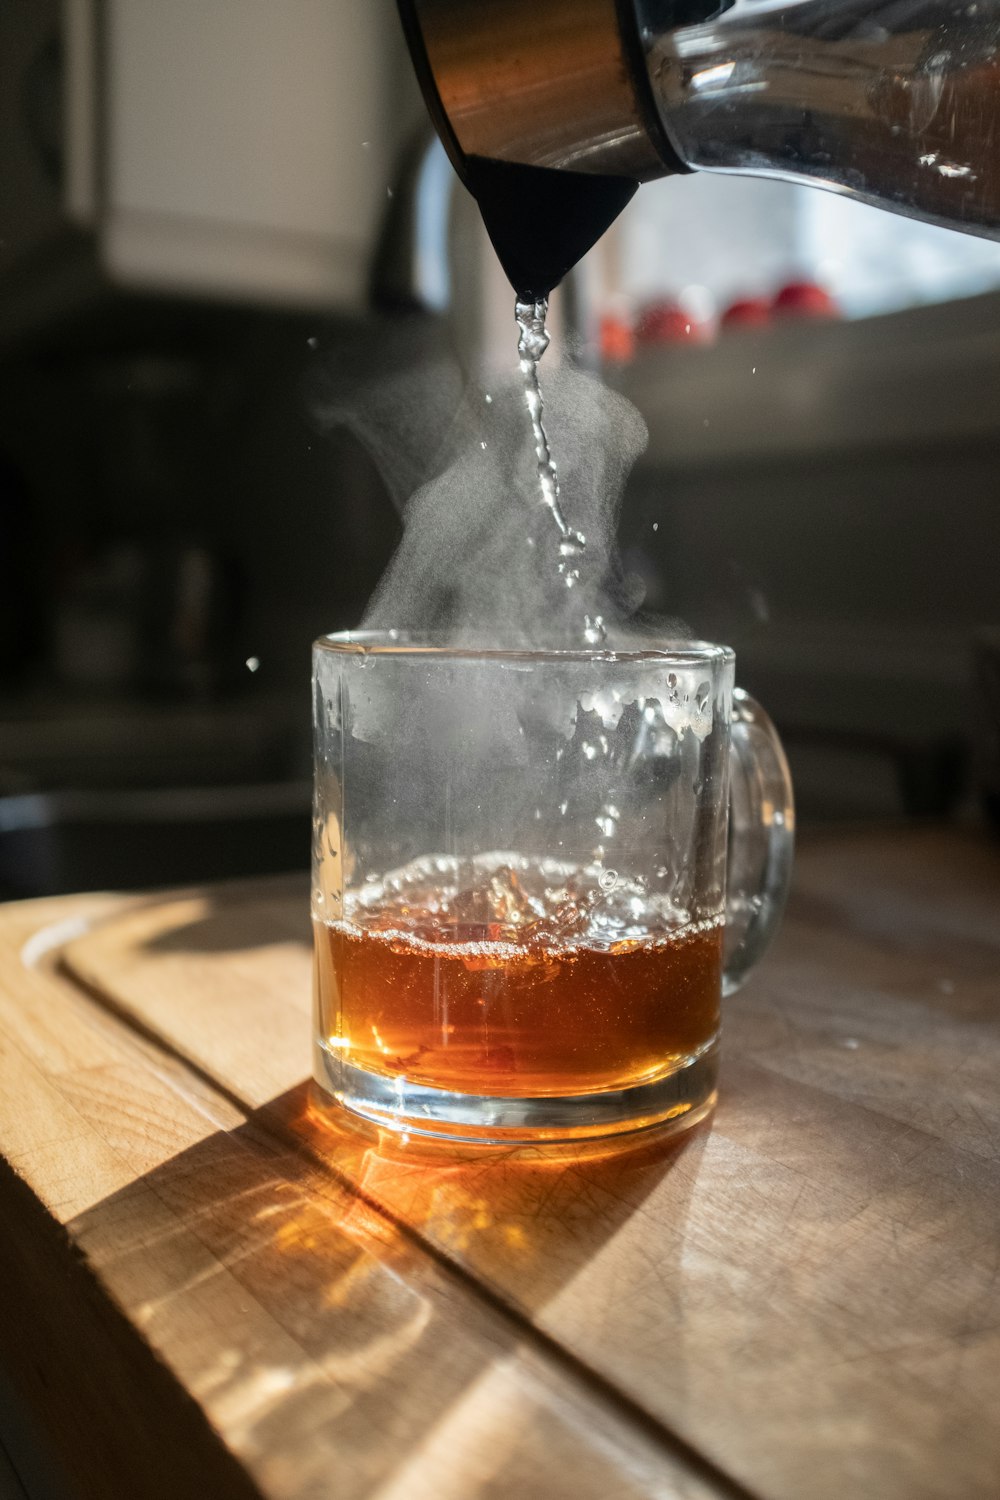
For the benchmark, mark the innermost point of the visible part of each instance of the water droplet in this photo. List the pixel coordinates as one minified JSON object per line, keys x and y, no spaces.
{"x":313,"y":342}
{"x":253,"y":662}
{"x":608,"y":880}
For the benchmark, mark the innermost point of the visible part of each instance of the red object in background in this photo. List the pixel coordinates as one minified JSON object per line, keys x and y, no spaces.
{"x":617,"y":339}
{"x":747,"y":312}
{"x":804,"y":299}
{"x":667,"y":323}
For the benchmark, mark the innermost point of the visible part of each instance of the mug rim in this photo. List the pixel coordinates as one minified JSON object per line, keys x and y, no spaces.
{"x":403,"y":643}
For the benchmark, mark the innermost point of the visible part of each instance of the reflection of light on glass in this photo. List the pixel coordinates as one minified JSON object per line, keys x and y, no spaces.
{"x":607,"y":706}
{"x":946,"y":168}
{"x":714,"y":77}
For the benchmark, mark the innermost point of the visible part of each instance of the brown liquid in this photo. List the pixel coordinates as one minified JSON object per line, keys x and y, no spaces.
{"x":456,"y":1005}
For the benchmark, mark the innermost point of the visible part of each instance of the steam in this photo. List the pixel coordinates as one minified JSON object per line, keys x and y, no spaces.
{"x":480,"y":560}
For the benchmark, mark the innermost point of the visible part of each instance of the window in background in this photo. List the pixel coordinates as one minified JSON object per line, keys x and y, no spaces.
{"x":711,"y":240}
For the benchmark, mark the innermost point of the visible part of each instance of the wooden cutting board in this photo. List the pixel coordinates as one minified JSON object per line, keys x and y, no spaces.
{"x":215,"y":1286}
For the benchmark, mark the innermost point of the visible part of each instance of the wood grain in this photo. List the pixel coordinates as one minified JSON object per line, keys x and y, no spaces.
{"x":808,"y":1292}
{"x":194,"y":1307}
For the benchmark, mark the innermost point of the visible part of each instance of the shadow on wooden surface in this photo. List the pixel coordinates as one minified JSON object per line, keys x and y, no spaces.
{"x":507,"y":1211}
{"x":91,"y":1414}
{"x":297,"y":1282}
{"x":218,"y":923}
{"x":807,"y":1292}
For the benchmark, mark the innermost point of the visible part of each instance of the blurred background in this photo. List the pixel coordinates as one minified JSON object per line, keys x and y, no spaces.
{"x":204,"y":203}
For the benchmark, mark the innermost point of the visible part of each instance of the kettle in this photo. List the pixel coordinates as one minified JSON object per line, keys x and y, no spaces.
{"x":554,"y":111}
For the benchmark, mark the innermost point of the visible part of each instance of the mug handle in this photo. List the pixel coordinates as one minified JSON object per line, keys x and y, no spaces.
{"x":761,"y":839}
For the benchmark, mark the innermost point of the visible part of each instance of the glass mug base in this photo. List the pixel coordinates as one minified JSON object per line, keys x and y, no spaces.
{"x":669,"y":1104}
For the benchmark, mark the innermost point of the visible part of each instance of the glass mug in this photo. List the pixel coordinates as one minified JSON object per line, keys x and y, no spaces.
{"x":522,"y":916}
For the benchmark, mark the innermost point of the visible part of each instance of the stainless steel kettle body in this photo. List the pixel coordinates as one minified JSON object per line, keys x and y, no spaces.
{"x":554,"y":110}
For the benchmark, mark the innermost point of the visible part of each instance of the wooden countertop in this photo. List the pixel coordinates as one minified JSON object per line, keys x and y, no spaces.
{"x":211,"y":1288}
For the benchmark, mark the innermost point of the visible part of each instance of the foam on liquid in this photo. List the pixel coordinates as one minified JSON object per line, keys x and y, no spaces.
{"x":505,"y":906}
